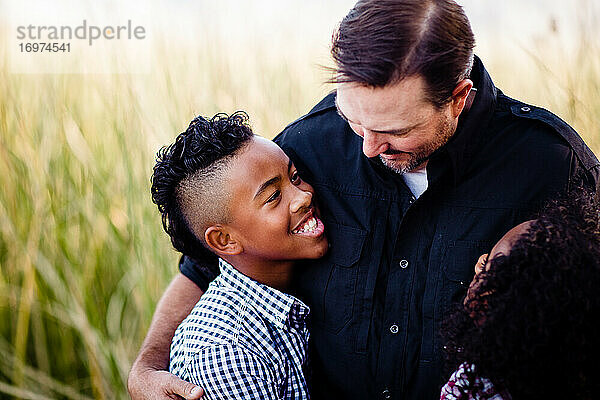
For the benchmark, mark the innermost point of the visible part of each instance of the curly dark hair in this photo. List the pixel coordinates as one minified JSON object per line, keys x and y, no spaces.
{"x":186,"y":178}
{"x":532,"y":325}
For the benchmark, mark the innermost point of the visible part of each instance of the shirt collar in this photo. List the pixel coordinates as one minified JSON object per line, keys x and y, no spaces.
{"x":279,"y":308}
{"x":466,"y":141}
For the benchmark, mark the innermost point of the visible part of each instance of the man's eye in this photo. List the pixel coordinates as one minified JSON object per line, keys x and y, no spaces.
{"x":295,"y":178}
{"x":274,"y":196}
{"x":401,"y":134}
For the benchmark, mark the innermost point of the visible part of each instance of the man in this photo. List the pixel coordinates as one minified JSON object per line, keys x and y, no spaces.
{"x":420,"y":164}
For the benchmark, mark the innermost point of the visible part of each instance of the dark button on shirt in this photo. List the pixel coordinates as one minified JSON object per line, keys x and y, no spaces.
{"x":499,"y":167}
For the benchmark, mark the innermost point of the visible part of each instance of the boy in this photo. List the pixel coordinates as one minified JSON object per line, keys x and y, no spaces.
{"x":219,"y":187}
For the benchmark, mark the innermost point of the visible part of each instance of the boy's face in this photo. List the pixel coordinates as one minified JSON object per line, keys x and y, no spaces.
{"x":272,"y":211}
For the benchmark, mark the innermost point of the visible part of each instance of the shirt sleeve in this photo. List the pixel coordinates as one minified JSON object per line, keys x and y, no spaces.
{"x":200,"y":272}
{"x":229,"y":372}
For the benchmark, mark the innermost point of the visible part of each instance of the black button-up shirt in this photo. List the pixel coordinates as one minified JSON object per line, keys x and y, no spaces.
{"x":395,"y":265}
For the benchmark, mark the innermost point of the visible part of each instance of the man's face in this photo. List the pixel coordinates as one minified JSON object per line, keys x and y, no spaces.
{"x":272,"y":210}
{"x":396,"y":122}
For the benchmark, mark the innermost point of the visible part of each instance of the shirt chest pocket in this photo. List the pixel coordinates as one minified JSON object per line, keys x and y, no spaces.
{"x":458,"y":265}
{"x":329,"y":284}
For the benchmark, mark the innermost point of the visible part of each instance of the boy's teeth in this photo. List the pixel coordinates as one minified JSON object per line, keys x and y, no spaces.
{"x":308,"y":226}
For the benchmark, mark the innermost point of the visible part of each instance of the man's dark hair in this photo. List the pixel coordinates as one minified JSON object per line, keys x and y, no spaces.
{"x":381,"y":42}
{"x":534,"y":313}
{"x":187,"y":182}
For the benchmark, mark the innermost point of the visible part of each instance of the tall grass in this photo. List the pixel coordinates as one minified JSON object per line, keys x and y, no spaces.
{"x":83,"y":258}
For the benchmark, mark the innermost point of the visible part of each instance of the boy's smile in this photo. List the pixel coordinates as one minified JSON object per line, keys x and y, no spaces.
{"x":310,"y":226}
{"x":273,"y":217}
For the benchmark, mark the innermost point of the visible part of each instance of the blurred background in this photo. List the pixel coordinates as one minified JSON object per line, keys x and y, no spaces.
{"x":82,"y":254}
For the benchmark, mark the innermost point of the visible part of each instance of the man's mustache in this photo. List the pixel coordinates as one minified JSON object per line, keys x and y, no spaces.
{"x":393,"y":152}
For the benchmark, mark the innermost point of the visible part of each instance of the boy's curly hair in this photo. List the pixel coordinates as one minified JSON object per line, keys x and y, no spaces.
{"x":532,"y":327}
{"x":187,"y":177}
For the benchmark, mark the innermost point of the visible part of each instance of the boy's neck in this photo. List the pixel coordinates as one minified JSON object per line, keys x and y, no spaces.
{"x":276,"y":274}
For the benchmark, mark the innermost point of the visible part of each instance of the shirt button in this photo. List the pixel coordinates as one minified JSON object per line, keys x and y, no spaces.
{"x":386,"y":394}
{"x":394,"y":329}
{"x":525,"y":109}
{"x":403,"y":264}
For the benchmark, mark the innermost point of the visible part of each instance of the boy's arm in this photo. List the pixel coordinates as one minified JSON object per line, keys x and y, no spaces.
{"x":149,"y":378}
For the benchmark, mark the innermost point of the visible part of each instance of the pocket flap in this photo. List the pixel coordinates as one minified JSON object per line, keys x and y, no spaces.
{"x":345,"y":243}
{"x":460,"y":258}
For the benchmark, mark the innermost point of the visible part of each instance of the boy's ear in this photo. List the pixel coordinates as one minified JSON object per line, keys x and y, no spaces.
{"x":221,"y":240}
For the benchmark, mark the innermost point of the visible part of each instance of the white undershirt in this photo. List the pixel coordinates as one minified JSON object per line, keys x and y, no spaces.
{"x":416,"y":181}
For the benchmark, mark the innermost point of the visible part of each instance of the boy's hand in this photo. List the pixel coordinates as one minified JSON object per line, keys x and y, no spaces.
{"x":479,"y":268}
{"x":481,"y":263}
{"x":151,"y":384}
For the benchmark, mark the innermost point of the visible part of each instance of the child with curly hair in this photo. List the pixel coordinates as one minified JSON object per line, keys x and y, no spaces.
{"x":222,"y":189}
{"x":529,"y":325}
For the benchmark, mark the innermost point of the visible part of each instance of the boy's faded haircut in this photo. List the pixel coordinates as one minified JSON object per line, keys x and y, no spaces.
{"x":187,"y":182}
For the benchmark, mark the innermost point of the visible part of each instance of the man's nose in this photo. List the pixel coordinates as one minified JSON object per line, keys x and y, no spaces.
{"x":302,"y":199}
{"x":373,"y":145}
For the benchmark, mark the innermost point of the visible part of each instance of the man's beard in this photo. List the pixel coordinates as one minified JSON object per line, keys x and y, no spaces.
{"x":421,"y":155}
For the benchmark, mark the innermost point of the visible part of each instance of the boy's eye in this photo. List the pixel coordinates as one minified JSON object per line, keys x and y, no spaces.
{"x":274,"y":196}
{"x":295,"y":178}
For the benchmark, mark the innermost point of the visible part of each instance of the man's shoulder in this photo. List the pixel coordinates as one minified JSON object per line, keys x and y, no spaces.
{"x":320,"y":141}
{"x":542,"y":127}
{"x":320,"y":127}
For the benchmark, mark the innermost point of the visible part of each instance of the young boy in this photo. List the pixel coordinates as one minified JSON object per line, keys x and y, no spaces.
{"x":219,"y":187}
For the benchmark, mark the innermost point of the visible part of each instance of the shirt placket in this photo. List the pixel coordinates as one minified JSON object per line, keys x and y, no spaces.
{"x":394,"y":333}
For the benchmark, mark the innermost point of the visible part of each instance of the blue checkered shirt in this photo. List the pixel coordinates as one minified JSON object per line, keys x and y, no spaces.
{"x":243,"y":340}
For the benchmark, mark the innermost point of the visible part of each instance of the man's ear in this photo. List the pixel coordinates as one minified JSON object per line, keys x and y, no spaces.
{"x":222,"y":241}
{"x":459,"y":96}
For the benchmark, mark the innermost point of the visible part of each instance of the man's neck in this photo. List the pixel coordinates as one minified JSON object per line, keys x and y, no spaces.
{"x":276,"y":274}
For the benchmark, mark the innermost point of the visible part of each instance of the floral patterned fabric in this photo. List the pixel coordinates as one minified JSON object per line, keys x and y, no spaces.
{"x":456,"y":388}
